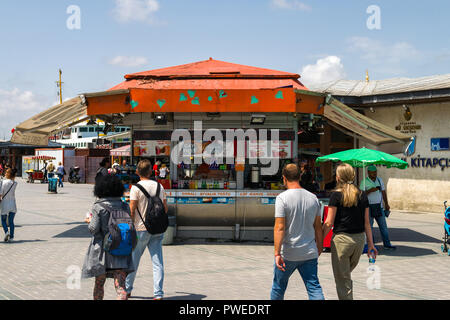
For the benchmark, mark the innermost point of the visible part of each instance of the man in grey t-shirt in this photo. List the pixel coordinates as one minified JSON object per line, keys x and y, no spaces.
{"x":297,"y":236}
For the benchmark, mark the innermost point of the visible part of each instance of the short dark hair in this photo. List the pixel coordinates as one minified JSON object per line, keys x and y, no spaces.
{"x":291,"y":172}
{"x":105,"y":161}
{"x":144,"y":168}
{"x":108,"y":186}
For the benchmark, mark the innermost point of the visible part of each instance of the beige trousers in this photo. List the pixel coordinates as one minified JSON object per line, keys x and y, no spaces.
{"x":346,"y":250}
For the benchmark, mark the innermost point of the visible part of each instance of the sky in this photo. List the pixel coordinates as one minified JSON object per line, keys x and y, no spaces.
{"x":96,"y":43}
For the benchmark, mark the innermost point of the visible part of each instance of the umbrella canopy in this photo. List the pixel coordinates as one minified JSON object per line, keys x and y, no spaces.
{"x":364,"y":157}
{"x":46,"y":158}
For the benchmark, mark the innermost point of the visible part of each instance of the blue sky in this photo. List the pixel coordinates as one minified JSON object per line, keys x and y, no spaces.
{"x":323,"y":40}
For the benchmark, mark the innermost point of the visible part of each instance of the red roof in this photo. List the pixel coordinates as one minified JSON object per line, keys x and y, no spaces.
{"x":211,"y":74}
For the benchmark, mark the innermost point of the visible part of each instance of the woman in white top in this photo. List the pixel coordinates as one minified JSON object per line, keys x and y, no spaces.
{"x":8,"y":204}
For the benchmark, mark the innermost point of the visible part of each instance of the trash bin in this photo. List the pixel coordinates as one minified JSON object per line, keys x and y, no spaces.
{"x":170,"y":232}
{"x":53,"y":185}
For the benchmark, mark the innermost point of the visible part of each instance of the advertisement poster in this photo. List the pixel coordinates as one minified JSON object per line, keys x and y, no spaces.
{"x":264,"y":149}
{"x":205,"y":200}
{"x":151,"y":148}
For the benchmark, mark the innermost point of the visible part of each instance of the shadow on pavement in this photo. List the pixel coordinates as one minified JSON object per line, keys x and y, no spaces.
{"x":406,"y":251}
{"x":48,"y":224}
{"x":22,"y":241}
{"x":80,"y":231}
{"x":184,"y":296}
{"x":200,"y":241}
{"x":407,"y":235}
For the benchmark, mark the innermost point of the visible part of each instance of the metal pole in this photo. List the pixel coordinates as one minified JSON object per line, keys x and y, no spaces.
{"x":132,"y":145}
{"x":60,"y":87}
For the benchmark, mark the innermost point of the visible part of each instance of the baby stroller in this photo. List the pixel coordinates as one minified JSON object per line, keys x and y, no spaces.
{"x":446,"y":238}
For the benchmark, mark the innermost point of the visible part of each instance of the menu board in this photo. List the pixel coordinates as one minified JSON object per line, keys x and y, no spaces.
{"x":152,"y":148}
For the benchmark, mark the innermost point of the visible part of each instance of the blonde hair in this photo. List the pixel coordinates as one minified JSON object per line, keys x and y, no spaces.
{"x":163,"y":165}
{"x":350,"y":193}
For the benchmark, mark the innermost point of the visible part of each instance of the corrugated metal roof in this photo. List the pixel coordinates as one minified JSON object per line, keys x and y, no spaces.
{"x":210,"y":67}
{"x":211,"y":74}
{"x":360,"y":88}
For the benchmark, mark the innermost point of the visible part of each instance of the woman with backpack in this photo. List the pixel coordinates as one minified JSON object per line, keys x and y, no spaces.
{"x":8,"y":204}
{"x":107,"y":256}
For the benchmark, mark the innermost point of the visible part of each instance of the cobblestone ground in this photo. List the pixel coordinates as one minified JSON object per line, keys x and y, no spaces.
{"x":51,"y":241}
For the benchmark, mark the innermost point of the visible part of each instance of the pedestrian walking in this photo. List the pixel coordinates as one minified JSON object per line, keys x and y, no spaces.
{"x":376,"y":193}
{"x":61,"y":172}
{"x":101,"y":263}
{"x":348,"y":212}
{"x":103,"y":169}
{"x":50,"y":169}
{"x":297,"y":236}
{"x":153,"y":242}
{"x":8,"y":204}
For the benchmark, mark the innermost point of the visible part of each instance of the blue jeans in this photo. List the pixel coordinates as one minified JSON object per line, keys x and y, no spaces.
{"x":308,"y":272}
{"x":60,"y":182}
{"x":381,"y":221}
{"x":10,"y":218}
{"x":154,"y":245}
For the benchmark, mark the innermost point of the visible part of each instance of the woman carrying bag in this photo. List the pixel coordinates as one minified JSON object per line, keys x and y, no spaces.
{"x":8,"y":204}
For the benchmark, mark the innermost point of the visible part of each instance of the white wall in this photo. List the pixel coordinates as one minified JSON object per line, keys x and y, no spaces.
{"x":421,"y":189}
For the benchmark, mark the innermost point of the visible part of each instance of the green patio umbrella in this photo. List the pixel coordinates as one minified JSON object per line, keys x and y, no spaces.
{"x":362,"y":158}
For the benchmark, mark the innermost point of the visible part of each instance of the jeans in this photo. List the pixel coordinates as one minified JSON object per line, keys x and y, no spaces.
{"x":154,"y":245}
{"x":60,"y":182}
{"x":381,"y":221}
{"x":10,"y":218}
{"x":308,"y":272}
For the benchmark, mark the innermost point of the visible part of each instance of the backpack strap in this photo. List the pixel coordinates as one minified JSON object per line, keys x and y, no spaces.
{"x":140,"y":187}
{"x":146,"y":195}
{"x":158,"y":190}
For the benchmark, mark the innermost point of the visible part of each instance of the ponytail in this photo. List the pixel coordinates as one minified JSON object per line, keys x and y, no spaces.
{"x":350,"y":193}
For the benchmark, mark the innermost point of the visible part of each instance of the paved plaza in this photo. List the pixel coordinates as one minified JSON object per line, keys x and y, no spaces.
{"x":51,"y":241}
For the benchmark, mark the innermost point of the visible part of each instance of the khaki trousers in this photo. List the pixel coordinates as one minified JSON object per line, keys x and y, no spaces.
{"x":346,"y":250}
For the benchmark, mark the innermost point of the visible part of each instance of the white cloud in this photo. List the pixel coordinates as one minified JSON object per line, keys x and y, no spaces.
{"x":323,"y":71}
{"x":377,"y":52}
{"x":291,"y":4}
{"x":17,"y":106}
{"x":136,"y":10}
{"x":131,"y":62}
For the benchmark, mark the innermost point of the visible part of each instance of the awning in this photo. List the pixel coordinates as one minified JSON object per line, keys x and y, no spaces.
{"x":136,"y":100}
{"x":43,"y":158}
{"x":36,"y":131}
{"x":346,"y":119}
{"x":124,"y":151}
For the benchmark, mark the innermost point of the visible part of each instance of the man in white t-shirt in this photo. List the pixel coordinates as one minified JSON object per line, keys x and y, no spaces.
{"x":297,"y":236}
{"x":138,"y":208}
{"x":376,"y":193}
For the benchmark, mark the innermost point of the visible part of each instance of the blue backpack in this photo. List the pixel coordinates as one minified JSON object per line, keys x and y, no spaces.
{"x":121,"y":238}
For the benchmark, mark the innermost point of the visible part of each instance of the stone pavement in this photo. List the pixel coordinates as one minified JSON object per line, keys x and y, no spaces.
{"x":51,"y":241}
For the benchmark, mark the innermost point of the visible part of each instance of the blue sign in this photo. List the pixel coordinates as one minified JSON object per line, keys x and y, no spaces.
{"x":439,"y":144}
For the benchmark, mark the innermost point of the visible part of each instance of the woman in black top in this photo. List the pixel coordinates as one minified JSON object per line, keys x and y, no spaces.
{"x":348,"y":212}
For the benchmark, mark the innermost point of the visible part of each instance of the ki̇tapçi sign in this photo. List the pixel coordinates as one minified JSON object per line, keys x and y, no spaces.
{"x":419,"y":162}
